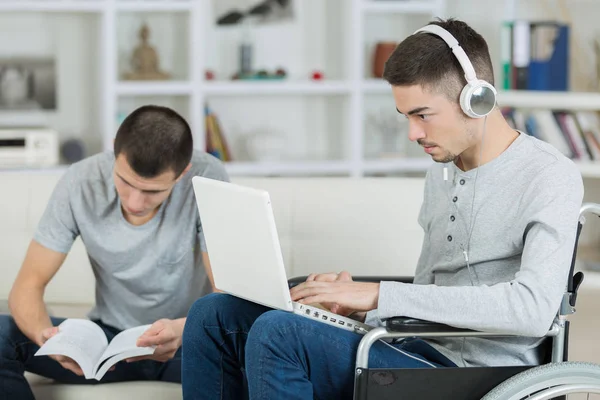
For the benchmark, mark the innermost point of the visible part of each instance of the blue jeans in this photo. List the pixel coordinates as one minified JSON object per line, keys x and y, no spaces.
{"x":235,"y":349}
{"x":17,"y":356}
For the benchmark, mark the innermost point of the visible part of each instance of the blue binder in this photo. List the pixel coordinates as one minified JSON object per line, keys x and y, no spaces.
{"x":552,"y":73}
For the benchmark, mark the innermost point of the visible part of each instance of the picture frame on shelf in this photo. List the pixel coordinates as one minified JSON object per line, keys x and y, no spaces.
{"x":28,"y":84}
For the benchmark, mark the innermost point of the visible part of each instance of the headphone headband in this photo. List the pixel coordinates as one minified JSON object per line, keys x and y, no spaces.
{"x":458,"y":51}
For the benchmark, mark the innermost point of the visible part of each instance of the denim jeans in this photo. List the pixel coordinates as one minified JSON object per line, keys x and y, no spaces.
{"x":17,"y":356}
{"x":235,"y":349}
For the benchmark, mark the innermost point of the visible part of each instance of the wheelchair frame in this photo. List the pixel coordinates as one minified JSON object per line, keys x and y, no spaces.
{"x":382,"y":384}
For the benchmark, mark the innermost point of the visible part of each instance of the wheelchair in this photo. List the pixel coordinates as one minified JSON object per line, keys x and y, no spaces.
{"x":555,"y":378}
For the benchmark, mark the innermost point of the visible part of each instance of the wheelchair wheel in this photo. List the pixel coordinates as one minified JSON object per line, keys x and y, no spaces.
{"x":577,"y":380}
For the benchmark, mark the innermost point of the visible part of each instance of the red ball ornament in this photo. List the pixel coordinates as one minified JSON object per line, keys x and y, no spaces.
{"x":317,"y":75}
{"x":209,"y":75}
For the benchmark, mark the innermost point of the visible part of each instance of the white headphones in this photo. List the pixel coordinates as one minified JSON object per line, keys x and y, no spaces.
{"x":478,"y":97}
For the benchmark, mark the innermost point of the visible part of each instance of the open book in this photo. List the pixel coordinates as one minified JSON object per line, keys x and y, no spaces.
{"x":85,"y":343}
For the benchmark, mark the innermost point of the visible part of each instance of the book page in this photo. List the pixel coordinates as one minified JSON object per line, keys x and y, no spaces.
{"x":104,"y":367}
{"x":124,"y":341}
{"x":80,"y":339}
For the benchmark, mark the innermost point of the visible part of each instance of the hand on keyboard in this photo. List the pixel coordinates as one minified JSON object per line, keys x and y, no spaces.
{"x":337,"y":293}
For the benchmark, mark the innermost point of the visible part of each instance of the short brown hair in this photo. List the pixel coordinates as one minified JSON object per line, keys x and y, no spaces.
{"x":155,"y":139}
{"x":426,"y":59}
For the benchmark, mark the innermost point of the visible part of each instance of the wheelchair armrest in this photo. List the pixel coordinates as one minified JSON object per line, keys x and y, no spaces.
{"x":404,"y":279}
{"x":405,"y":324}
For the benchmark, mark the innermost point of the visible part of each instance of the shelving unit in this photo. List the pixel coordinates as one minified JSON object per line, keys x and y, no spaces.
{"x":334,"y":111}
{"x":346,"y":91}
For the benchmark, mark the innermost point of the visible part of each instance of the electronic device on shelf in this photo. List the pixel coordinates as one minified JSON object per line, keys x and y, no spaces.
{"x":28,"y":147}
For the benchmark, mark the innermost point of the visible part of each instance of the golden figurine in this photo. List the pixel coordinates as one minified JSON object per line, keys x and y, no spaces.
{"x":144,"y":61}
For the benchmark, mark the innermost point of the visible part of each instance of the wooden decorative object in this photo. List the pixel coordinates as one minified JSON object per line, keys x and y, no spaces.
{"x":145,"y":61}
{"x":383,"y":51}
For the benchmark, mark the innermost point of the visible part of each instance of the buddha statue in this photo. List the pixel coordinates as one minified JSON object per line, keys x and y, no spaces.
{"x":144,"y":61}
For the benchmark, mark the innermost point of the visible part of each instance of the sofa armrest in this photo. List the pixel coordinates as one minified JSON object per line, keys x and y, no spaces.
{"x":404,"y":279}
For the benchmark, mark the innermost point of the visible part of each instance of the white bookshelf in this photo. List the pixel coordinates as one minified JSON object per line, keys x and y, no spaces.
{"x":353,"y":89}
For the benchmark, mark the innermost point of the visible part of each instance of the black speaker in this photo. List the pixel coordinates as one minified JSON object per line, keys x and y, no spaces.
{"x":72,"y":150}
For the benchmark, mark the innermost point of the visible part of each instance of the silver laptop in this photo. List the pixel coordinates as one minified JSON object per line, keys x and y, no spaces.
{"x":245,"y":255}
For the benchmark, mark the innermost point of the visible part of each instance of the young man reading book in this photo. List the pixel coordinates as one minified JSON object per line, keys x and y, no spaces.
{"x":134,"y":210}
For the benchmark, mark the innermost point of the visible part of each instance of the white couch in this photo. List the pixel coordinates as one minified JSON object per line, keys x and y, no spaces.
{"x":366,"y":226}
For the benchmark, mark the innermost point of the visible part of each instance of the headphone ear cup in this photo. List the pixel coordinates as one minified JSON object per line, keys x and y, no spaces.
{"x":465,"y":100}
{"x":478,"y":99}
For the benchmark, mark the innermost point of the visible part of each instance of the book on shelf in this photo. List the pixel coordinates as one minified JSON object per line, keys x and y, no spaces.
{"x":535,"y":55}
{"x":574,"y":133}
{"x":216,"y":144}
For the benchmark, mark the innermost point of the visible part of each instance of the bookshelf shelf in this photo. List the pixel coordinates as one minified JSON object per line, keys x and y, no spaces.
{"x":283,"y":87}
{"x":589,"y":169}
{"x":52,"y":6}
{"x":156,"y":5}
{"x":404,"y":7}
{"x":288,"y":168}
{"x":376,"y":86}
{"x":166,"y":88}
{"x":553,"y":100}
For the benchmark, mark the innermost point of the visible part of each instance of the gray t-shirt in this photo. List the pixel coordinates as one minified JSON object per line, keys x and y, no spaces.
{"x":143,"y":273}
{"x":523,"y":231}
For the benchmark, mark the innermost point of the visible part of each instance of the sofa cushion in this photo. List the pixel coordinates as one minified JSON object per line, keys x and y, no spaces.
{"x":45,"y":389}
{"x":4,"y":307}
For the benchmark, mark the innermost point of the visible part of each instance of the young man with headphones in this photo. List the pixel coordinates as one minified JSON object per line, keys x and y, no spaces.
{"x":499,"y":214}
